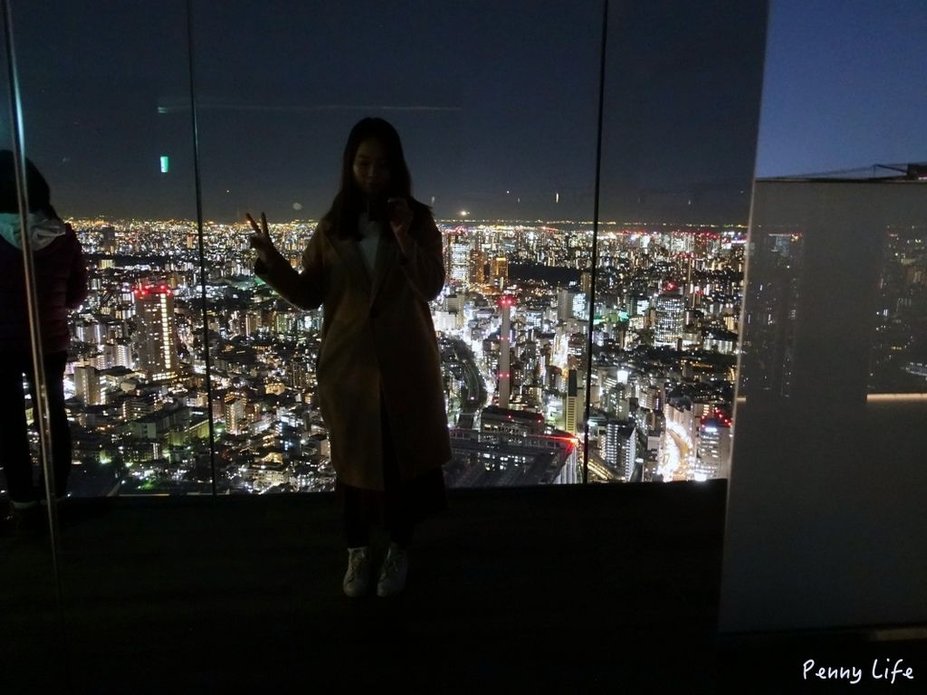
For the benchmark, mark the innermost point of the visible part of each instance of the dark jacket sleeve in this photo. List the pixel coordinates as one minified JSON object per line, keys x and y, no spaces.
{"x":77,"y":289}
{"x":423,"y":264}
{"x":305,"y":289}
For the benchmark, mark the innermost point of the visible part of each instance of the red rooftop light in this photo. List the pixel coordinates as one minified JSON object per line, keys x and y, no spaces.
{"x":145,"y":290}
{"x":506,"y":301}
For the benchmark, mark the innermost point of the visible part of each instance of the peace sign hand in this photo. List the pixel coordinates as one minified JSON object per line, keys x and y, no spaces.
{"x":260,"y":241}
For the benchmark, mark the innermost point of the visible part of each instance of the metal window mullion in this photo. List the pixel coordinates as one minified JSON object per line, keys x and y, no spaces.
{"x":595,"y":239}
{"x":40,"y":409}
{"x":198,"y":191}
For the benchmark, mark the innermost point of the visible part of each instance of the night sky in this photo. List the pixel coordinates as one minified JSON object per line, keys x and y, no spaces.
{"x":495,"y":101}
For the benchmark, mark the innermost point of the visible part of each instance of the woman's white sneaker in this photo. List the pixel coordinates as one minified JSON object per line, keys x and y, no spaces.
{"x":357,"y":577}
{"x":393,"y":573}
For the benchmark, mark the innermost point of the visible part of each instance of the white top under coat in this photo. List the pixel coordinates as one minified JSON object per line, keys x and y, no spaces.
{"x":369,"y":242}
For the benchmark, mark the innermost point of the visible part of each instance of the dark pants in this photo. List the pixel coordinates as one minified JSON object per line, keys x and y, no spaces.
{"x":14,"y":439}
{"x":391,"y":508}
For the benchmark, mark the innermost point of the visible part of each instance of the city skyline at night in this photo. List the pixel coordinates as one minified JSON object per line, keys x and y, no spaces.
{"x":664,"y":327}
{"x":139,"y":430}
{"x":680,"y":342}
{"x":498,"y":118}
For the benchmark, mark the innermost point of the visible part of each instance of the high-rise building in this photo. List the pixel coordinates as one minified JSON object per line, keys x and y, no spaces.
{"x":138,"y":406}
{"x":670,"y":318}
{"x":585,"y":282}
{"x":252,"y":323}
{"x":108,"y":239}
{"x":713,"y":453}
{"x":565,"y":299}
{"x":621,"y":446}
{"x":118,"y":354}
{"x":477,"y":267}
{"x":156,"y":335}
{"x":87,"y":385}
{"x":459,"y":269}
{"x":499,"y":271}
{"x":581,"y":306}
{"x":297,"y":375}
{"x":571,"y":405}
{"x":234,"y":415}
{"x":505,"y":333}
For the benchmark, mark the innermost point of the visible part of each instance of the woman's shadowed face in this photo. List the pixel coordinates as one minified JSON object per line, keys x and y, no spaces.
{"x":371,"y":168}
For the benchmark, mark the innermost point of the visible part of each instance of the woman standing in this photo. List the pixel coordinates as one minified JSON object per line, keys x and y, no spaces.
{"x":373,"y":264}
{"x":61,"y":285}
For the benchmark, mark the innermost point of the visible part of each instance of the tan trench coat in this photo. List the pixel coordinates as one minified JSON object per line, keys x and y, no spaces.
{"x":378,"y":341}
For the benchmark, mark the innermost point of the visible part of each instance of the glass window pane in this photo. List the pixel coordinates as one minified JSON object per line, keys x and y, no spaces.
{"x":682,"y":103}
{"x":108,"y":120}
{"x":497,"y":120}
{"x":898,"y":363}
{"x":828,"y":479}
{"x":28,"y":582}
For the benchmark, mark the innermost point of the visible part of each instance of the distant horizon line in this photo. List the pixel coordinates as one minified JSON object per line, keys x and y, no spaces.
{"x":440,"y":220}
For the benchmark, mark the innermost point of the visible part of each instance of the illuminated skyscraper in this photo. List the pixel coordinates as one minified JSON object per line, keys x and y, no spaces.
{"x":621,"y":447}
{"x":499,"y":271}
{"x":119,"y":354}
{"x":457,"y":255}
{"x":670,"y":318}
{"x":459,"y":269}
{"x":87,"y":385}
{"x":571,"y":405}
{"x":585,"y":282}
{"x":252,"y":323}
{"x":714,"y":447}
{"x":505,"y":331}
{"x":477,"y":267}
{"x":234,"y":412}
{"x":156,"y":335}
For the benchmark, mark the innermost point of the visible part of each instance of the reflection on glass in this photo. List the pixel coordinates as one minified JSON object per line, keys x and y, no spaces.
{"x":13,"y":261}
{"x":60,"y":283}
{"x":837,"y":298}
{"x":829,"y":462}
{"x":766,"y":369}
{"x":898,"y":363}
{"x":109,"y":133}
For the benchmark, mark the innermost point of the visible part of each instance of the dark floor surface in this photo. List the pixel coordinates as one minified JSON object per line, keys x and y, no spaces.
{"x":555,"y":589}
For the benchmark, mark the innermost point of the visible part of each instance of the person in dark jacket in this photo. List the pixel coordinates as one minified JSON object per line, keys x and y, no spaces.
{"x":61,"y":285}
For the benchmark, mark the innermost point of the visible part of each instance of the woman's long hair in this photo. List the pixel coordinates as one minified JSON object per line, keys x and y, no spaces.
{"x":350,"y":200}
